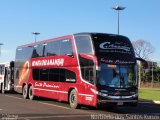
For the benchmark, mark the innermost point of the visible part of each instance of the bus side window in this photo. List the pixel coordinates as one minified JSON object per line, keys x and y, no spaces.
{"x":34,"y":54}
{"x":70,"y":76}
{"x":54,"y":74}
{"x":52,"y":48}
{"x":87,"y":74}
{"x":62,"y":75}
{"x":44,"y":74}
{"x":66,"y":47}
{"x":87,"y":68}
{"x":38,"y":51}
{"x":36,"y":74}
{"x":67,"y":75}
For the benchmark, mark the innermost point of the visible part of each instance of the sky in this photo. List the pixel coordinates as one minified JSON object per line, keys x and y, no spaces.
{"x":54,"y":18}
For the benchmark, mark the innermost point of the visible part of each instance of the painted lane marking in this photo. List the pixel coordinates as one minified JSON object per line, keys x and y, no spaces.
{"x":14,"y":97}
{"x":57,"y":116}
{"x":1,"y":109}
{"x":53,"y":105}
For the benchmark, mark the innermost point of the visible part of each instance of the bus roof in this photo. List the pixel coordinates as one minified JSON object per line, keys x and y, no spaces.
{"x":44,"y":41}
{"x":67,"y":36}
{"x":96,"y":33}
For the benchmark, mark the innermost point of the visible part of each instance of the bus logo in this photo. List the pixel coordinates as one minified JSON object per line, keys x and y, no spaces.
{"x":112,"y":46}
{"x":55,"y":62}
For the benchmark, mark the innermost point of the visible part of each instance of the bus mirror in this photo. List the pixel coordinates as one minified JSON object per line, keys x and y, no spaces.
{"x":144,"y":63}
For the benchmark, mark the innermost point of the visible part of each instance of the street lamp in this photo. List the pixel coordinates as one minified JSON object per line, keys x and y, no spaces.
{"x":0,"y":47}
{"x":35,"y":33}
{"x":118,"y":8}
{"x":152,"y":74}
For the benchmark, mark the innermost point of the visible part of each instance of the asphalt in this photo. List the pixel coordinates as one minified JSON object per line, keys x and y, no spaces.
{"x":13,"y":106}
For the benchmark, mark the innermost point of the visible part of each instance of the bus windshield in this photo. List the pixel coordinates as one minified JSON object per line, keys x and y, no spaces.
{"x":116,"y":58}
{"x":118,"y":76}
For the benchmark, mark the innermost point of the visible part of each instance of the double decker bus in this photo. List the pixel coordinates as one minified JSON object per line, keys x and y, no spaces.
{"x":82,"y":69}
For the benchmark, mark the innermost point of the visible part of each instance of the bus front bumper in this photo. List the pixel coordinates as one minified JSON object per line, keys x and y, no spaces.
{"x":119,"y":100}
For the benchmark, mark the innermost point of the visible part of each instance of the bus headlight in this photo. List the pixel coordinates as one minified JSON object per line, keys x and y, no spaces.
{"x":134,"y":94}
{"x":102,"y":94}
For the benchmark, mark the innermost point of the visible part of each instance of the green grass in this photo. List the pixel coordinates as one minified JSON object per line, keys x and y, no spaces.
{"x":149,"y":94}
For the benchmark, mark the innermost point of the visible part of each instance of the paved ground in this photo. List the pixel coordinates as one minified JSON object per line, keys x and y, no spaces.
{"x":13,"y":106}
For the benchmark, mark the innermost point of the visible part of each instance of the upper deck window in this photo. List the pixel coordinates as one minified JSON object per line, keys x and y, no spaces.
{"x":24,"y":53}
{"x":59,"y":47}
{"x":84,"y":44}
{"x":38,"y":51}
{"x":66,"y":47}
{"x":52,"y":48}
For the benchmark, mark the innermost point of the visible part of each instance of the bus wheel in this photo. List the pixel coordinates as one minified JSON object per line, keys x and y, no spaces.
{"x":73,"y":100}
{"x":31,"y":94}
{"x":25,"y":92}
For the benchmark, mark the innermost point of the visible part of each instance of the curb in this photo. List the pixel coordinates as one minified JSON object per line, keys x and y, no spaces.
{"x":156,"y":102}
{"x":149,"y":101}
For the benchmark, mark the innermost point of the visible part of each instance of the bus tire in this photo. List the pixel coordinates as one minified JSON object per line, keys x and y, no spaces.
{"x":25,"y":92}
{"x":31,"y":93}
{"x":73,"y":99}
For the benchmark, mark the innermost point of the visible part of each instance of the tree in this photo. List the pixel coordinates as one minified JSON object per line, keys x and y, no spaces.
{"x":142,"y":49}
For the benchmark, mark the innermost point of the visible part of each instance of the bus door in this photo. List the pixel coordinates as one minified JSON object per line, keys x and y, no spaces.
{"x":67,"y":71}
{"x":87,"y":65}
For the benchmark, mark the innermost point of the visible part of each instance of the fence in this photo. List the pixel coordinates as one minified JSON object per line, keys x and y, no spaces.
{"x":150,"y":85}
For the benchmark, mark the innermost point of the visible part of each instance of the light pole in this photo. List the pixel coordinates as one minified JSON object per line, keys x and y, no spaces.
{"x":35,"y":33}
{"x":152,"y":75}
{"x":118,"y":8}
{"x":0,"y":47}
{"x":139,"y":80}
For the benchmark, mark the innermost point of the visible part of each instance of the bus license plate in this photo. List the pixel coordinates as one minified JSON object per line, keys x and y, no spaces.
{"x":120,"y":103}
